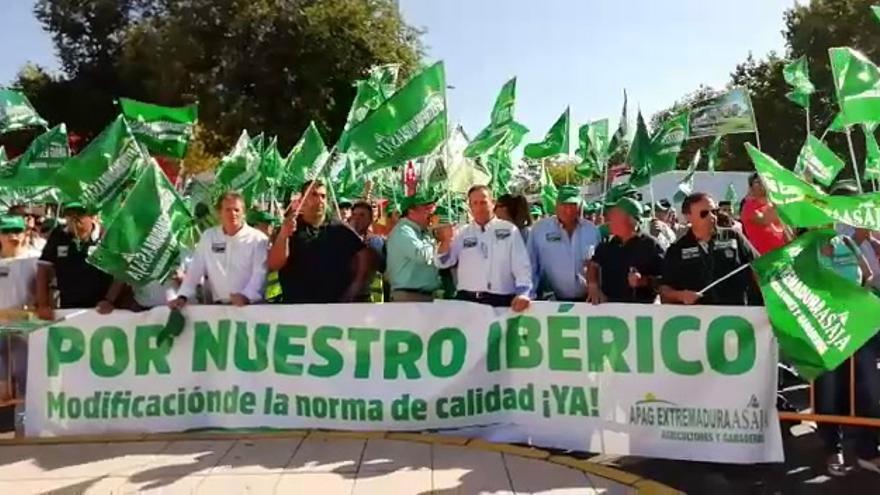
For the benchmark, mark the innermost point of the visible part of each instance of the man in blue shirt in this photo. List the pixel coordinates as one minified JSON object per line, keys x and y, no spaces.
{"x":560,"y":247}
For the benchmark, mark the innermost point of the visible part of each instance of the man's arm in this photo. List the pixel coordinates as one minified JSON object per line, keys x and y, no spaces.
{"x":279,"y":253}
{"x":532,"y":248}
{"x":414,"y":248}
{"x":45,"y":274}
{"x":253,"y":291}
{"x":107,"y":305}
{"x":594,"y":289}
{"x":361,"y":271}
{"x":521,"y":266}
{"x":194,"y":273}
{"x":447,"y":251}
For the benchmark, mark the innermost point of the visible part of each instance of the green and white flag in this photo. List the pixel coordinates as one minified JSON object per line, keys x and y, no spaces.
{"x":819,"y":317}
{"x":817,"y":159}
{"x":240,"y":169}
{"x":686,"y":184}
{"x":164,"y":131}
{"x":36,"y":167}
{"x":410,"y":124}
{"x":803,"y":205}
{"x":797,"y":75}
{"x":731,"y":196}
{"x":305,"y":158}
{"x":104,"y":168}
{"x":872,"y":153}
{"x":501,"y":125}
{"x":876,"y":10}
{"x":371,"y":93}
{"x":640,"y":154}
{"x":592,"y":148}
{"x":142,"y":243}
{"x":556,"y":142}
{"x":857,"y":84}
{"x":729,"y":113}
{"x":17,"y":113}
{"x":549,"y":192}
{"x":618,"y":140}
{"x":712,"y":154}
{"x":667,"y":142}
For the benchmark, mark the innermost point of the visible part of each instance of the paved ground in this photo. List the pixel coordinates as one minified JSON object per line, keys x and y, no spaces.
{"x":316,"y":464}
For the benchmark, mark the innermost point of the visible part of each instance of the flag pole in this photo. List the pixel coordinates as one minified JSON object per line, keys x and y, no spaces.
{"x":807,"y":112}
{"x":852,"y":156}
{"x":722,"y":279}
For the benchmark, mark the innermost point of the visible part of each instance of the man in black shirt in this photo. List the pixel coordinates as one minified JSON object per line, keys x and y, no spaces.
{"x":625,"y":266}
{"x":705,"y":254}
{"x":80,"y":285}
{"x":318,"y":261}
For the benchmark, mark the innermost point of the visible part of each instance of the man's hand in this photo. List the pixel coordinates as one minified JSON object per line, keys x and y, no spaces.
{"x":634,"y":279}
{"x":520,"y":303}
{"x":287,"y":228}
{"x":443,"y":233}
{"x":595,"y":295}
{"x":689,"y":297}
{"x":177,"y":304}
{"x":239,"y":300}
{"x":104,"y":307}
{"x":46,"y":313}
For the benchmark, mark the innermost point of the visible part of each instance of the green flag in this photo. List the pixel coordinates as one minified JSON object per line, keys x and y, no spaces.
{"x":876,"y":10}
{"x":857,"y":84}
{"x":618,"y":140}
{"x":666,"y":143}
{"x":819,"y":317}
{"x":142,"y":243}
{"x":548,"y":190}
{"x":305,"y":158}
{"x":640,"y":154}
{"x":410,"y":124}
{"x":803,"y":205}
{"x":39,"y":163}
{"x":103,"y":169}
{"x":163,"y":130}
{"x":872,"y":153}
{"x":17,"y":113}
{"x":592,"y":148}
{"x":817,"y":159}
{"x":797,"y":75}
{"x":370,"y":94}
{"x":239,"y":170}
{"x":731,"y":196}
{"x":712,"y":155}
{"x":728,"y":113}
{"x":501,"y":124}
{"x":686,"y":184}
{"x":556,"y":142}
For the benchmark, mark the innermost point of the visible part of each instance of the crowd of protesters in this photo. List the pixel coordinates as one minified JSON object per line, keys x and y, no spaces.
{"x":503,"y":253}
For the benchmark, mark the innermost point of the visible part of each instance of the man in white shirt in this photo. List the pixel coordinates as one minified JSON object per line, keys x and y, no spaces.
{"x":493,"y":264}
{"x":231,"y":256}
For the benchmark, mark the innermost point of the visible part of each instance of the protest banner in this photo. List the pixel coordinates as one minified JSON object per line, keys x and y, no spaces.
{"x":695,"y":383}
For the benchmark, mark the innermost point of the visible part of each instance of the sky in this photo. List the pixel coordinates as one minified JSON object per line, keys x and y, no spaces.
{"x":581,"y":53}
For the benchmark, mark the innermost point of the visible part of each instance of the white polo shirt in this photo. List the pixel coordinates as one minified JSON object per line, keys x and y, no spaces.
{"x":17,"y":280}
{"x":491,"y":258}
{"x":233,"y":264}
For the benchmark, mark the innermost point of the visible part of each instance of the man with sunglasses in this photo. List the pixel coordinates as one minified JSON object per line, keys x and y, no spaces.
{"x":30,"y":215}
{"x":705,"y":254}
{"x":493,"y":264}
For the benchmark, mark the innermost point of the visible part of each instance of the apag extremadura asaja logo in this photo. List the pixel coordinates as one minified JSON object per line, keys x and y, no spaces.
{"x":701,"y":424}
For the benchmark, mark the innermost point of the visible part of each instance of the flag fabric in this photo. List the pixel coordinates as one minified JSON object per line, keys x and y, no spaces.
{"x":819,"y":317}
{"x":305,"y":158}
{"x":370,"y":94}
{"x":142,"y":243}
{"x":666,"y":143}
{"x":857,"y":84}
{"x":712,"y":154}
{"x":731,"y":196}
{"x":165,"y":131}
{"x":549,"y":192}
{"x":817,"y":159}
{"x":872,"y":153}
{"x":876,"y":10}
{"x":103,"y":169}
{"x":40,"y":161}
{"x":729,"y":113}
{"x":239,"y":170}
{"x":618,"y":140}
{"x":639,"y":157}
{"x":16,"y":112}
{"x":501,"y":124}
{"x":801,"y":204}
{"x":410,"y":124}
{"x":556,"y":141}
{"x":797,"y":75}
{"x":592,"y":148}
{"x":686,"y":184}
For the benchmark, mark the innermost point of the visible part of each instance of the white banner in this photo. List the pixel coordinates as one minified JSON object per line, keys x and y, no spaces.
{"x":696,"y":383}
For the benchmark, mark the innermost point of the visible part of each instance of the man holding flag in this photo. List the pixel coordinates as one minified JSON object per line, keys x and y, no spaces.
{"x":708,"y":265}
{"x":232,"y":256}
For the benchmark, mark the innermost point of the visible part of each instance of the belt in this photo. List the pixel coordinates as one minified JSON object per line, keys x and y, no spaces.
{"x":416,"y":291}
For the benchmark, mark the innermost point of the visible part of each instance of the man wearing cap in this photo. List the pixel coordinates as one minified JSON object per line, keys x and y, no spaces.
{"x":705,"y":254}
{"x":411,"y":270}
{"x":30,"y":215}
{"x":493,"y":262}
{"x":80,"y":285}
{"x":560,"y":247}
{"x":263,"y":221}
{"x":232,"y":256}
{"x":627,"y":265}
{"x":345,"y":205}
{"x":660,"y":229}
{"x":318,"y":261}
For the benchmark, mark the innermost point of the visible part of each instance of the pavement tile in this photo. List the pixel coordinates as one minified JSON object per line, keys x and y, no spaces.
{"x":392,"y":455}
{"x":317,"y":483}
{"x":257,"y":457}
{"x":326,"y":455}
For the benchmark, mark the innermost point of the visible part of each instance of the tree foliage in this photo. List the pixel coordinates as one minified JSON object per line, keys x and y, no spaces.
{"x":260,"y":65}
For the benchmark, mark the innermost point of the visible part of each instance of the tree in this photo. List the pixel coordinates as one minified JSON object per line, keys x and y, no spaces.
{"x":262,"y":65}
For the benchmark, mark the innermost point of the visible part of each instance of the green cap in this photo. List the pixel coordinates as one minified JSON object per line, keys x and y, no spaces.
{"x":536,"y":210}
{"x":256,"y":216}
{"x":345,"y":202}
{"x":630,"y":206}
{"x":73,"y":205}
{"x":11,"y":224}
{"x":593,"y":207}
{"x":418,"y":199}
{"x":569,"y":195}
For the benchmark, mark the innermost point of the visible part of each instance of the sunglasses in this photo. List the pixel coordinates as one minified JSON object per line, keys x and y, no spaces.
{"x":706,"y":213}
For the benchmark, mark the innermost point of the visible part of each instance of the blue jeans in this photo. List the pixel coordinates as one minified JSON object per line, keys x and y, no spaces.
{"x":832,"y":397}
